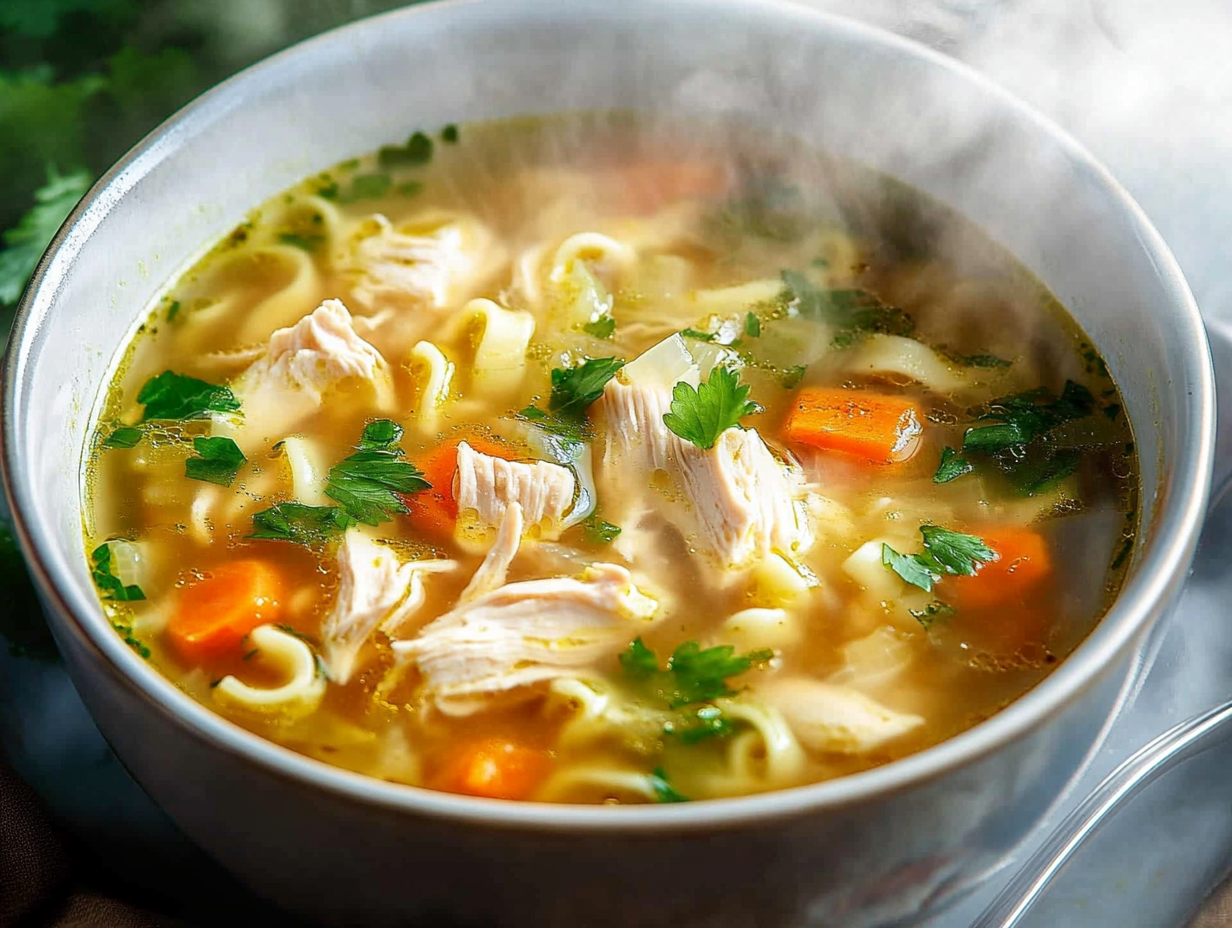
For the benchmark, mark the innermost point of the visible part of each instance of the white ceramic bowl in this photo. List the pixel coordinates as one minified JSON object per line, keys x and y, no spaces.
{"x":890,"y":845}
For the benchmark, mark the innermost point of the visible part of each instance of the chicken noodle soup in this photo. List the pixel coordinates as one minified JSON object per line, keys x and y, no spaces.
{"x":590,"y":460}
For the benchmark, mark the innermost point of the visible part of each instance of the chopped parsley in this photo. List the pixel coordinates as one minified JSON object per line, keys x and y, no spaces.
{"x":663,"y":790}
{"x":449,"y":134}
{"x":575,"y":388}
{"x":693,"y":674}
{"x":218,"y":460}
{"x":752,"y":325}
{"x":175,"y":396}
{"x":173,"y":310}
{"x":598,"y":532}
{"x":1015,"y":440}
{"x":793,"y":375}
{"x":932,"y":612}
{"x":603,"y":327}
{"x":953,"y":465}
{"x":1023,"y":417}
{"x":111,"y":586}
{"x":367,"y":484}
{"x":126,"y":632}
{"x":417,"y":150}
{"x":945,"y":553}
{"x":126,"y":436}
{"x":700,"y":415}
{"x":852,"y":311}
{"x":300,"y":524}
{"x":698,"y":335}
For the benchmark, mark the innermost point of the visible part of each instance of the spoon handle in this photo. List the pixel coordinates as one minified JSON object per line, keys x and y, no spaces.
{"x":1186,"y":740}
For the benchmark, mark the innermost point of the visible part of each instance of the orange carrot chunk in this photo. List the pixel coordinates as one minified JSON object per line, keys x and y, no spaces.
{"x":214,"y":615}
{"x":494,"y":768}
{"x":1023,"y":565}
{"x":435,"y":509}
{"x":879,"y":429}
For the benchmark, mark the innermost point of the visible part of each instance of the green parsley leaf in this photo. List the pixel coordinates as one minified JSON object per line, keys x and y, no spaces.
{"x":300,"y":524}
{"x":417,"y":150}
{"x":752,"y":325}
{"x":575,"y":388}
{"x":124,"y":437}
{"x":932,"y":612}
{"x":1123,"y":554}
{"x":850,"y":311}
{"x":603,"y":327}
{"x":218,"y":461}
{"x":107,"y":582}
{"x":945,"y":553}
{"x":701,"y":415}
{"x":698,"y":335}
{"x":693,"y":675}
{"x":174,"y":396}
{"x":598,"y":532}
{"x":663,"y":790}
{"x":1023,"y":417}
{"x":449,"y":134}
{"x":173,"y":310}
{"x":1038,"y":476}
{"x":24,"y":244}
{"x":793,"y":375}
{"x":367,"y":484}
{"x":953,"y":465}
{"x":638,"y":661}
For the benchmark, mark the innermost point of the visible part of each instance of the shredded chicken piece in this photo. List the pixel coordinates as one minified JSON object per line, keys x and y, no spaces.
{"x":487,"y":485}
{"x":286,"y":383}
{"x":375,"y":590}
{"x":525,"y":633}
{"x":744,"y":502}
{"x":495,"y":567}
{"x":435,"y":261}
{"x":836,"y":719}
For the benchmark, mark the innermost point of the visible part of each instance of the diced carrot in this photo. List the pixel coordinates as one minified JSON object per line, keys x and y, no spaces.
{"x":494,"y":768}
{"x":435,"y":509}
{"x":880,"y":429}
{"x":1024,"y":563}
{"x":213,"y":616}
{"x":646,"y":186}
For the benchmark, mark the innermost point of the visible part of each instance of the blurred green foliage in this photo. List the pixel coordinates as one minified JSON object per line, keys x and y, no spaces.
{"x":81,"y":81}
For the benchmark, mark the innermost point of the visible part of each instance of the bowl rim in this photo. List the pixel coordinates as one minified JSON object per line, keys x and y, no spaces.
{"x":1154,"y":578}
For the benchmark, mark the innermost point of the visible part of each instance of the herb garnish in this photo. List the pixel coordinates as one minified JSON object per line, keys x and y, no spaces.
{"x":417,"y":150}
{"x":218,"y":461}
{"x":175,"y":396}
{"x":126,"y":436}
{"x":108,"y":583}
{"x":300,"y":524}
{"x":752,"y":325}
{"x":367,"y":484}
{"x":932,"y":612}
{"x":1014,"y":441}
{"x":852,"y":311}
{"x":663,"y":790}
{"x":945,"y":553}
{"x":693,"y":675}
{"x":449,"y":134}
{"x":598,"y":532}
{"x":603,"y":327}
{"x":304,"y":242}
{"x":573,"y":390}
{"x":700,"y":415}
{"x":126,"y":632}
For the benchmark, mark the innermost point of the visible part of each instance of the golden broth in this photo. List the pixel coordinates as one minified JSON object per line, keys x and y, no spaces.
{"x":709,"y":240}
